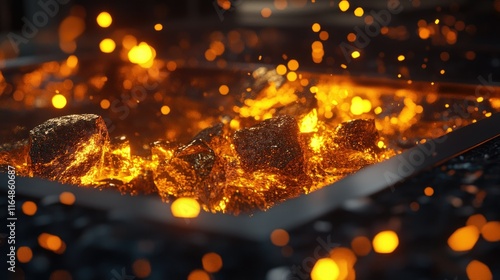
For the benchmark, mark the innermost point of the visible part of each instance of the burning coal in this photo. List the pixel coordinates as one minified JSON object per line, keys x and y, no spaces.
{"x":225,"y":170}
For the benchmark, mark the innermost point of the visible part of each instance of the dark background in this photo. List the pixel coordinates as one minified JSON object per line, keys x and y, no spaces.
{"x":288,"y":31}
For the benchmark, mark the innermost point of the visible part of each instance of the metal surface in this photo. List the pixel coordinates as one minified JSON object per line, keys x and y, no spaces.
{"x":289,"y":214}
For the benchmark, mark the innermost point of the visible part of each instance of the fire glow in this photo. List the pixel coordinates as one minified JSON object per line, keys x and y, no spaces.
{"x":335,"y":127}
{"x":340,"y":128}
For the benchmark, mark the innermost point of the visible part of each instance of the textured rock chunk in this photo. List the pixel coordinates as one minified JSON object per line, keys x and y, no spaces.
{"x":66,"y":148}
{"x":358,"y":135}
{"x":272,"y":143}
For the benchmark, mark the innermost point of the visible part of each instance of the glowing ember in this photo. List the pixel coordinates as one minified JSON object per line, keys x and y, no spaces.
{"x":59,"y":101}
{"x":158,"y":27}
{"x":355,"y":54}
{"x":107,"y":45}
{"x":428,"y":191}
{"x":72,"y":61}
{"x":104,"y":19}
{"x":24,"y":254}
{"x":345,"y":260}
{"x":29,"y":208}
{"x":143,"y":54}
{"x":477,"y":270}
{"x":280,"y":237}
{"x":359,"y":12}
{"x":198,"y":275}
{"x":344,"y":5}
{"x":361,"y":245}
{"x":464,"y":239}
{"x":142,"y":268}
{"x":223,"y":90}
{"x":185,"y":207}
{"x":293,"y":65}
{"x":325,"y":269}
{"x":212,"y":262}
{"x":477,"y":220}
{"x":491,"y":231}
{"x":51,"y":242}
{"x":67,"y":198}
{"x":316,"y":27}
{"x":385,"y":242}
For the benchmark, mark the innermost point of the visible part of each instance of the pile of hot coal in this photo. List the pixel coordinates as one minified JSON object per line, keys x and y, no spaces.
{"x":225,"y":170}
